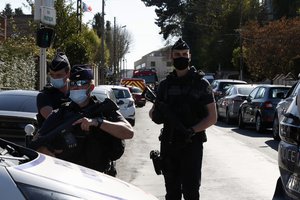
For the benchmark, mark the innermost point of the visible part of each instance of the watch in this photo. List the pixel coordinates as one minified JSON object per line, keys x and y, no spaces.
{"x":100,"y":121}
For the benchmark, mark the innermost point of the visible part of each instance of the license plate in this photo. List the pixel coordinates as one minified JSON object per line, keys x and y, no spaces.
{"x":294,"y":183}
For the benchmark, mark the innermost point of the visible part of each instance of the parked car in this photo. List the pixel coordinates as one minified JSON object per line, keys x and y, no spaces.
{"x":219,"y":86}
{"x":27,"y":174}
{"x":209,"y":77}
{"x":17,"y":109}
{"x":288,"y":185}
{"x":136,"y":92}
{"x":102,"y":92}
{"x":125,"y":102}
{"x":259,"y":107}
{"x":228,"y":106}
{"x":281,"y":108}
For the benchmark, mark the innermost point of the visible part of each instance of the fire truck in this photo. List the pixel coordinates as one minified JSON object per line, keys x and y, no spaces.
{"x":137,"y":82}
{"x":149,"y":75}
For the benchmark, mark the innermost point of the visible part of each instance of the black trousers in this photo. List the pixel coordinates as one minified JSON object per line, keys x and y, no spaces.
{"x":182,"y":171}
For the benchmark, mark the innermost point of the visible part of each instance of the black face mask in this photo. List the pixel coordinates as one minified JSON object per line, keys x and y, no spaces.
{"x":181,"y":63}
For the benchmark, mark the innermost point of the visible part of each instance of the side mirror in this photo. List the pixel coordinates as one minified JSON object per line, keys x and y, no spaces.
{"x":29,"y":130}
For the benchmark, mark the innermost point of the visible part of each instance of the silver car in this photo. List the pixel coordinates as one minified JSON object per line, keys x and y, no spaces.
{"x":228,"y":105}
{"x":26,"y":174}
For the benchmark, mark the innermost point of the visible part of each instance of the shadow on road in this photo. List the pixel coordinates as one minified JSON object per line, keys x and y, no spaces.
{"x":250,"y":132}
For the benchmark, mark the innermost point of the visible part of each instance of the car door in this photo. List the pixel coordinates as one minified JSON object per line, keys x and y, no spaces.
{"x":248,"y":105}
{"x":222,"y":103}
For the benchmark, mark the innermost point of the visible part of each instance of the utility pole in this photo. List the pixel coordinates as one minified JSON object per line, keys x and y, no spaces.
{"x":115,"y":50}
{"x":241,"y":41}
{"x":102,"y":62}
{"x":79,"y":15}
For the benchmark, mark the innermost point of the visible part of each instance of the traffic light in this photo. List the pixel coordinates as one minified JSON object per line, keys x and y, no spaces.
{"x":44,"y":37}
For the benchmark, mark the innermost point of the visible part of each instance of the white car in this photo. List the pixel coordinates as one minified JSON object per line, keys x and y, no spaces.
{"x":124,"y":98}
{"x":27,"y":174}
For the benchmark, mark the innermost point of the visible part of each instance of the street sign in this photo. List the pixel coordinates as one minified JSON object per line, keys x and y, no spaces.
{"x":48,"y":15}
{"x":37,"y":7}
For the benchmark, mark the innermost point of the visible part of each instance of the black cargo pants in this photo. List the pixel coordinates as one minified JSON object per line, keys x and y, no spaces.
{"x":182,"y":171}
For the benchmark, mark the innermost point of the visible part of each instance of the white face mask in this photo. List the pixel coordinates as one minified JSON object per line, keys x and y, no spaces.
{"x":78,"y":96}
{"x":58,"y":83}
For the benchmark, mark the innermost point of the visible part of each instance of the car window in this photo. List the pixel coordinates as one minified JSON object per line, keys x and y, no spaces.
{"x":244,"y":91}
{"x":261,"y":93}
{"x":121,"y":94}
{"x":229,"y":91}
{"x":294,"y":92}
{"x":274,"y":91}
{"x":18,"y":103}
{"x":136,"y":90}
{"x":214,"y":84}
{"x":253,"y":93}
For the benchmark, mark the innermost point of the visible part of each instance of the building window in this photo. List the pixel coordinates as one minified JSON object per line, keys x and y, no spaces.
{"x":152,"y":64}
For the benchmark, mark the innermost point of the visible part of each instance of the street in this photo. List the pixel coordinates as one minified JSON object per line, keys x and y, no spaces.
{"x":237,"y":164}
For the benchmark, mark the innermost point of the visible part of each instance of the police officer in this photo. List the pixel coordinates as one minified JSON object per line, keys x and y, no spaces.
{"x":94,"y":134}
{"x":56,"y":93}
{"x":53,"y":95}
{"x":185,"y":105}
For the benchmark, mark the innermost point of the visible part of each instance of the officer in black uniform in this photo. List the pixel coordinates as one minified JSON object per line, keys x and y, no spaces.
{"x":185,"y":105}
{"x":96,"y":134}
{"x":53,"y":95}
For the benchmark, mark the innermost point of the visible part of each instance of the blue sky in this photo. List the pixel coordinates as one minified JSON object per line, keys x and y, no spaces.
{"x":138,"y":18}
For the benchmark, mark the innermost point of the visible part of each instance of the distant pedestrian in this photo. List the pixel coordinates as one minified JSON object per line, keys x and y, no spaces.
{"x":185,"y":105}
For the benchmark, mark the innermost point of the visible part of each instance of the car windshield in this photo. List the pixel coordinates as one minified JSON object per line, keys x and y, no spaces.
{"x":245,"y":91}
{"x":24,"y":103}
{"x":121,"y":94}
{"x":136,"y":90}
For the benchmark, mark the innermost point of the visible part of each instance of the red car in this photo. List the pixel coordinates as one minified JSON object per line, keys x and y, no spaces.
{"x":136,"y":92}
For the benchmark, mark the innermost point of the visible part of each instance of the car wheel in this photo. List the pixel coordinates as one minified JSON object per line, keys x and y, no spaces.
{"x":240,"y":121}
{"x":228,"y":120}
{"x":259,"y":124}
{"x":275,"y":128}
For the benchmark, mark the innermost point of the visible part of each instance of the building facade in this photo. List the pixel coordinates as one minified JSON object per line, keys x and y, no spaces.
{"x":159,"y":60}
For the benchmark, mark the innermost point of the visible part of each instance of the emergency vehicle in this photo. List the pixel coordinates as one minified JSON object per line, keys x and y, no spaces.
{"x":137,"y":82}
{"x":149,"y":75}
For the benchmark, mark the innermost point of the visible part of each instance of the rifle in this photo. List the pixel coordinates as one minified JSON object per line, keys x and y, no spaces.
{"x":60,"y":123}
{"x":169,"y":116}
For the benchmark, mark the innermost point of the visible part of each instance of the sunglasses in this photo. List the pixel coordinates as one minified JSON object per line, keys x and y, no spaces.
{"x":79,"y":83}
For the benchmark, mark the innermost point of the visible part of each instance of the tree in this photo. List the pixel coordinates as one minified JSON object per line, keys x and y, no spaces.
{"x":18,"y":69}
{"x":7,"y":10}
{"x":272,"y":48}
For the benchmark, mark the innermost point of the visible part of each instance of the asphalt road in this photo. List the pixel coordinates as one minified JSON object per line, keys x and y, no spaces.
{"x":238,"y":164}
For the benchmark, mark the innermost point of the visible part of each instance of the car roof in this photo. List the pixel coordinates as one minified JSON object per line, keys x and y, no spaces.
{"x":273,"y":86}
{"x":117,"y":87}
{"x":20,"y":92}
{"x":230,"y":80}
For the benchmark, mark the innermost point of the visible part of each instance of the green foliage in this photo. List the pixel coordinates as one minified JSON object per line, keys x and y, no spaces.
{"x":18,"y":69}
